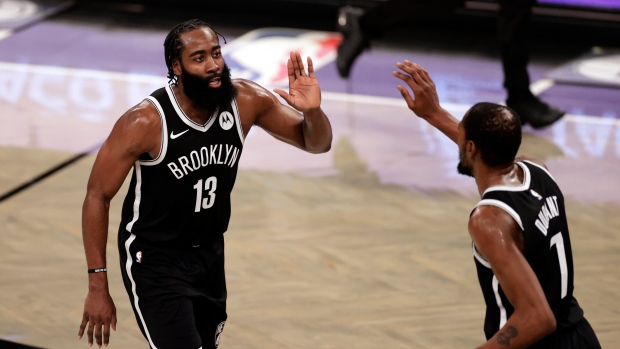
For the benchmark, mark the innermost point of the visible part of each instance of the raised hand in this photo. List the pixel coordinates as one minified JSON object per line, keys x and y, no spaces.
{"x":99,"y":315}
{"x":425,"y":101}
{"x":304,"y":91}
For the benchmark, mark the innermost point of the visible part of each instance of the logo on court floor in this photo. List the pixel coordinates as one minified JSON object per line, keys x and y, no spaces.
{"x":139,"y":257}
{"x":226,"y":120}
{"x":218,"y":332}
{"x":14,"y":10}
{"x":262,"y":55}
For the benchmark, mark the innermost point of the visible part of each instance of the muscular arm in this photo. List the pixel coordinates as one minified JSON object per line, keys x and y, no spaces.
{"x":135,"y":133}
{"x":495,"y":235}
{"x":310,"y":130}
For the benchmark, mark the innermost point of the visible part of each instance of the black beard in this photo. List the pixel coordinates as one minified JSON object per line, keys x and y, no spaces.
{"x":204,"y":96}
{"x":464,"y":170}
{"x":461,"y":168}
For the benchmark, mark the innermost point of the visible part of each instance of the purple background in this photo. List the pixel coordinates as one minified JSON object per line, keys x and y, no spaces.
{"x":613,"y":4}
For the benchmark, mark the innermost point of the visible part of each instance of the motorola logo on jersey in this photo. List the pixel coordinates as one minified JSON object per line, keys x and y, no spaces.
{"x":226,"y":120}
{"x":139,"y":257}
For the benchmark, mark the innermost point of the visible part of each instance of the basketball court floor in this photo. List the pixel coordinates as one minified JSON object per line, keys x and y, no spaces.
{"x":365,"y":246}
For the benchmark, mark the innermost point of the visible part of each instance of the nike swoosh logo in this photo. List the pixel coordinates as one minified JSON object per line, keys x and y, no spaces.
{"x":174,"y":136}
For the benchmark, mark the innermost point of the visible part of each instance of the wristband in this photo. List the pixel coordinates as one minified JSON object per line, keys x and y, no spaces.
{"x":98,"y":270}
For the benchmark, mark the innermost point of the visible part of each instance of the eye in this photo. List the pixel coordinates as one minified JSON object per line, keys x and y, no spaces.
{"x":217,"y":53}
{"x":199,"y":58}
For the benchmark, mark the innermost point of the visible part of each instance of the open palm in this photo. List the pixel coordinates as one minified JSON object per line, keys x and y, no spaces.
{"x":304,"y":91}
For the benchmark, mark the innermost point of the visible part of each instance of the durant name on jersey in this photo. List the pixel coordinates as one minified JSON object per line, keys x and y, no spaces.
{"x":548,"y":211}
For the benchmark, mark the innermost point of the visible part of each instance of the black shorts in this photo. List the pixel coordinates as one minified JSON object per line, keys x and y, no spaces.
{"x":178,"y":294}
{"x":578,"y":336}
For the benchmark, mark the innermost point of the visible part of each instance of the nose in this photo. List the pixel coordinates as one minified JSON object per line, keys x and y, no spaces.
{"x":212,"y":65}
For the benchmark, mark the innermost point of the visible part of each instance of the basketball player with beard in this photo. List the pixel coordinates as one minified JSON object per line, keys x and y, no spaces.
{"x":184,"y":142}
{"x":521,"y":244}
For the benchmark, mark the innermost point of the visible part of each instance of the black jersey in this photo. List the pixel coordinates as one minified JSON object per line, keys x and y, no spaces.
{"x":182,"y":197}
{"x":538,"y":207}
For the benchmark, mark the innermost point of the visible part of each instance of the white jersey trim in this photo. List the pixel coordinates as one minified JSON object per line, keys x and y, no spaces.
{"x":527,"y":178}
{"x":502,"y":311}
{"x":480,"y":257}
{"x":540,"y":167}
{"x":505,"y":207}
{"x":136,"y":299}
{"x":137,"y":197}
{"x":235,"y":109}
{"x":164,"y":135}
{"x":189,"y":122}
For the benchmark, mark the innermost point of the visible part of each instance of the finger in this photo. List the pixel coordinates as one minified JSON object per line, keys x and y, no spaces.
{"x":98,"y":334}
{"x":106,"y":334}
{"x":302,"y":69}
{"x":291,"y":71}
{"x":295,"y":65}
{"x":82,"y":326}
{"x":311,"y":68}
{"x":422,"y":73}
{"x":426,"y":76}
{"x":408,"y":79}
{"x":284,"y":95}
{"x":89,"y":332}
{"x":403,"y":92}
{"x":114,"y":321}
{"x":413,"y":70}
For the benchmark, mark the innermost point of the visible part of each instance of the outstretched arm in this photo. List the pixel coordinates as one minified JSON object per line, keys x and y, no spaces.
{"x":497,"y":237}
{"x":310,"y":130}
{"x":425,"y":102}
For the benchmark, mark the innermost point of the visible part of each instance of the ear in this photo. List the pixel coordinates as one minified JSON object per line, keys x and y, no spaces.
{"x":471,"y":149}
{"x":176,"y":67}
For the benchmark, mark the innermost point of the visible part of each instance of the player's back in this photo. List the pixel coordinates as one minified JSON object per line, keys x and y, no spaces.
{"x":538,"y":208}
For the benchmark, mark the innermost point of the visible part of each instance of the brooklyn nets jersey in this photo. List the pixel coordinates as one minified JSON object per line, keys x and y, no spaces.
{"x":182,"y":197}
{"x":538,"y":207}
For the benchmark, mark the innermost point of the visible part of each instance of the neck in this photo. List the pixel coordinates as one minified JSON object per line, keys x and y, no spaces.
{"x":508,"y":175}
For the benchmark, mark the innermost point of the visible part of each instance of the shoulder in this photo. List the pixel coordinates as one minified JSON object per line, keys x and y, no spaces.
{"x":493,"y":227}
{"x":532,"y":160}
{"x":248,"y":90}
{"x":138,"y":129}
{"x":254,"y":100}
{"x":485,"y":217}
{"x":142,"y":116}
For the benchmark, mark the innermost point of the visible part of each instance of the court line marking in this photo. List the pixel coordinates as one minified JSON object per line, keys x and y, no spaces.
{"x":537,"y":87}
{"x":541,"y":85}
{"x":399,"y":102}
{"x":5,"y":33}
{"x":46,"y":174}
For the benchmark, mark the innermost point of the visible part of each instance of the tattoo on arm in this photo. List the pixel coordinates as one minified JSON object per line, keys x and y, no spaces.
{"x":505,"y":337}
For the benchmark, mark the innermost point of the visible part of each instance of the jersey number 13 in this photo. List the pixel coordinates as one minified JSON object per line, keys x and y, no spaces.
{"x":208,"y":191}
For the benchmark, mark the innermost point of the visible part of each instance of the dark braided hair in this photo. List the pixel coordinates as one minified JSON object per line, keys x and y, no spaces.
{"x":173,"y":45}
{"x":496,"y":131}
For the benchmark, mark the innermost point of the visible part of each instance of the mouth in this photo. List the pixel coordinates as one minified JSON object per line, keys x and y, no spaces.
{"x":215,"y":82}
